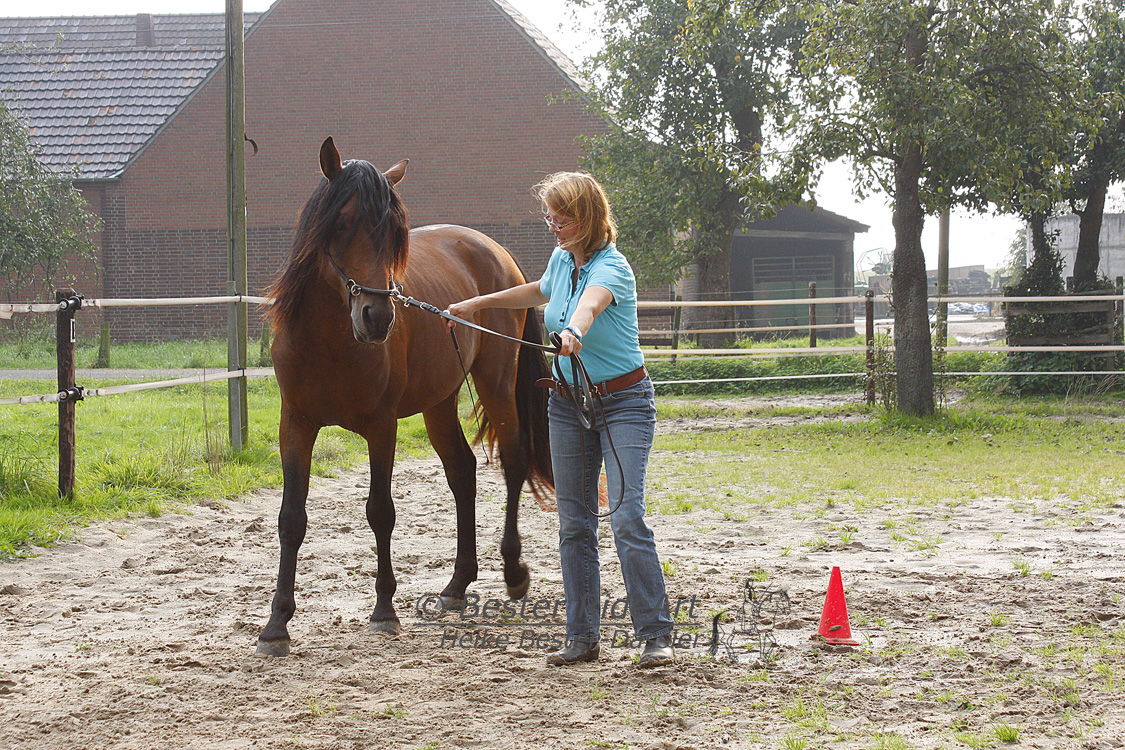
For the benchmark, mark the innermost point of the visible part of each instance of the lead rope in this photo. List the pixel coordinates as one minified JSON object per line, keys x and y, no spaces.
{"x":469,"y":386}
{"x":582,"y":394}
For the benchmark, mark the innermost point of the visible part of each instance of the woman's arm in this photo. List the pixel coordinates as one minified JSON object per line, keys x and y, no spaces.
{"x":590,"y":305}
{"x":512,"y":298}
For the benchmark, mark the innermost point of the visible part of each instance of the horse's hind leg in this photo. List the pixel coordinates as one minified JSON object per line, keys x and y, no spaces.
{"x":499,"y":404}
{"x":381,"y":519}
{"x":296,"y":442}
{"x":517,"y":577}
{"x":444,"y":430}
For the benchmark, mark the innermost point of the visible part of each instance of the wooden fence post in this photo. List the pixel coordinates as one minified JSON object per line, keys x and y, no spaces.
{"x":1119,"y":286}
{"x":69,"y":395}
{"x":812,"y":315}
{"x":869,"y":335}
{"x":676,"y":326}
{"x":1119,"y":323}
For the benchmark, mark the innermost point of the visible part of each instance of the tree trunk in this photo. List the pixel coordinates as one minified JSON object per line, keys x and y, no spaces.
{"x":1038,"y":224}
{"x":713,"y":273}
{"x":914,"y":384}
{"x":1101,"y":160}
{"x":714,"y":284}
{"x":1087,"y":258}
{"x":1043,"y":275}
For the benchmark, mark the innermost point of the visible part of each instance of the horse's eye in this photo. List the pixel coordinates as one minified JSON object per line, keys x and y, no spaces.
{"x":341,"y":224}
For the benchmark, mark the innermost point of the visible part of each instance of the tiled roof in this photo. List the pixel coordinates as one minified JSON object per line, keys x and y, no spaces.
{"x":545,"y":45}
{"x":804,"y":218}
{"x":104,"y":32}
{"x":92,"y":97}
{"x":94,"y":90}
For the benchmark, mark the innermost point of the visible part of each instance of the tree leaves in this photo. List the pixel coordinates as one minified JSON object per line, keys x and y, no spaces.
{"x":692,"y":88}
{"x":44,"y":220}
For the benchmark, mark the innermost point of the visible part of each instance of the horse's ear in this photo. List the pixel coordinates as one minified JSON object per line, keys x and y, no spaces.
{"x":395,"y":174}
{"x":330,"y":164}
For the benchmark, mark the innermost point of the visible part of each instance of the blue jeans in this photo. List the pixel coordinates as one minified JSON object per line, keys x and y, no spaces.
{"x":576,"y":456}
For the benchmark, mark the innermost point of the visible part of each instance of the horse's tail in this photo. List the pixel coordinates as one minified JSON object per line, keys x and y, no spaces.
{"x":531,"y":410}
{"x":531,"y":406}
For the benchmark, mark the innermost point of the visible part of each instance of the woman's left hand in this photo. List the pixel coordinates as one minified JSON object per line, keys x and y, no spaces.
{"x":571,"y":344}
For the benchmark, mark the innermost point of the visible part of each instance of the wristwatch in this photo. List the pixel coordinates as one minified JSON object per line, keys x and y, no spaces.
{"x":575,"y":330}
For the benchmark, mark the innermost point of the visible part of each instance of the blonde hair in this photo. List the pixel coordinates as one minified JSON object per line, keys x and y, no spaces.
{"x":579,"y":196}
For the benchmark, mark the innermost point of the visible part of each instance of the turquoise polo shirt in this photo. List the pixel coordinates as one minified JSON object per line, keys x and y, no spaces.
{"x":611,"y":348}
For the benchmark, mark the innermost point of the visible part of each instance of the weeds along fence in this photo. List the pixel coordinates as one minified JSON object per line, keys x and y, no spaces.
{"x":1109,"y":347}
{"x":69,"y":392}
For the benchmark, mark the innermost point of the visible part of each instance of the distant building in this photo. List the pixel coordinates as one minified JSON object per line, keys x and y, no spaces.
{"x":963,"y":280}
{"x":1112,"y":244}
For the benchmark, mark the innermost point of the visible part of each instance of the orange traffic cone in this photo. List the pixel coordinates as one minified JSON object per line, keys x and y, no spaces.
{"x":834,"y":626}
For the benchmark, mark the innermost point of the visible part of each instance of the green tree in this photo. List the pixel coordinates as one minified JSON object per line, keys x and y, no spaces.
{"x":690,"y":89}
{"x":1100,"y":147}
{"x":936,"y":102}
{"x":44,"y":220}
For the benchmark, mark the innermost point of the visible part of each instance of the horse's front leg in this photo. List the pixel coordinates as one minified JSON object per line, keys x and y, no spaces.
{"x":296,"y":442}
{"x":381,"y":519}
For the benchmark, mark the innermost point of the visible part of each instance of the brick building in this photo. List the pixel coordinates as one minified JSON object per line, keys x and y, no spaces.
{"x":478,"y":99}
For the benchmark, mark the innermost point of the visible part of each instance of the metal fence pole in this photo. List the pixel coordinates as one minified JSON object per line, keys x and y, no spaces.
{"x":237,"y":313}
{"x":676,"y":326}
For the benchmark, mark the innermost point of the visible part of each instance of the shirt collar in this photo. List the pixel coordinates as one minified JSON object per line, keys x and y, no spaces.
{"x":598,"y":254}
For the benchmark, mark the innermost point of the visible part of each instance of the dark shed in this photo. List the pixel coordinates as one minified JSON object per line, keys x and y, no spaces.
{"x":777,"y":259}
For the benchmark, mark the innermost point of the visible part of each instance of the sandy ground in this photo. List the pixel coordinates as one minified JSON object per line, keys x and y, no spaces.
{"x":141,"y":633}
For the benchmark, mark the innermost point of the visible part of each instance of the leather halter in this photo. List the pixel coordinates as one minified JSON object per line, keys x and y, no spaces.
{"x":355,"y":288}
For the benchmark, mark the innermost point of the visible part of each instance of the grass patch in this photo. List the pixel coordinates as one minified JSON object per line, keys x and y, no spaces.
{"x":38,"y":352}
{"x":146,"y":453}
{"x":1000,"y":447}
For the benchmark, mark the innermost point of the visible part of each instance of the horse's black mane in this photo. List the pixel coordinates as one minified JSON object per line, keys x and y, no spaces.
{"x":379,"y":212}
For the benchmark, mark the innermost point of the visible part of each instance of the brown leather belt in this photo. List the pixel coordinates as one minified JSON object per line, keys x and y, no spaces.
{"x":606,"y":388}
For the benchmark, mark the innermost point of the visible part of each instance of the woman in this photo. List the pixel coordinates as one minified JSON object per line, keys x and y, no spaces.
{"x":591,"y":299}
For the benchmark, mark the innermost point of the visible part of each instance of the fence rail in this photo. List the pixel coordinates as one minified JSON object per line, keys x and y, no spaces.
{"x":69,"y":393}
{"x":66,"y":304}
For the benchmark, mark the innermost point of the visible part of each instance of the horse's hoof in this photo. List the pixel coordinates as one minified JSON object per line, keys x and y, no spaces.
{"x":519,"y":591}
{"x":272,"y":648}
{"x":386,"y":627}
{"x":452,"y":603}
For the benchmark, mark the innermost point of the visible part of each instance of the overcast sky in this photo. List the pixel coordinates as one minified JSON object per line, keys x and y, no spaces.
{"x":973,"y":239}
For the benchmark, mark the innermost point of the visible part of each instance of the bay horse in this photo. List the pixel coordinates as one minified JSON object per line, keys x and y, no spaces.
{"x":344,"y":355}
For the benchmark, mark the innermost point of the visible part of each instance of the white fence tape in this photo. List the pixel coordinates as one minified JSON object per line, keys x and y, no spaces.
{"x":166,"y":301}
{"x":114,"y":390}
{"x":764,"y":377}
{"x":8,"y":308}
{"x":161,"y":301}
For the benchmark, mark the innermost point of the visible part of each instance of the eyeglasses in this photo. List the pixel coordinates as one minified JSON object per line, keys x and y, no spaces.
{"x":554,"y":226}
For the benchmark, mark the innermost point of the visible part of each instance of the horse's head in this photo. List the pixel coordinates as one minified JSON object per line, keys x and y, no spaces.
{"x":363,"y":237}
